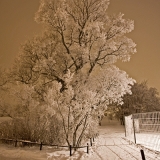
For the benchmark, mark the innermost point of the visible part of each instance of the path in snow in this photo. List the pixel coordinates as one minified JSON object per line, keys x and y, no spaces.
{"x":111,"y":145}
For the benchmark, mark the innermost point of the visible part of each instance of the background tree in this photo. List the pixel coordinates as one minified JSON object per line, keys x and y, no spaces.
{"x":142,"y":99}
{"x":5,"y":79}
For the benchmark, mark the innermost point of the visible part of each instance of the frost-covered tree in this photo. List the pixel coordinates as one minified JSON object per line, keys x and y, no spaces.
{"x":71,"y":65}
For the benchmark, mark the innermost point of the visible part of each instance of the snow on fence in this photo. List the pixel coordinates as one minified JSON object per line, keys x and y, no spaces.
{"x":144,"y":129}
{"x":41,"y":144}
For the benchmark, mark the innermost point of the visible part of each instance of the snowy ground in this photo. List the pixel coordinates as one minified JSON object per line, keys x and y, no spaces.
{"x":151,"y":141}
{"x":110,"y":145}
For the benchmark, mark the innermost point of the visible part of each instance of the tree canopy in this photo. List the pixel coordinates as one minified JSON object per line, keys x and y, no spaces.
{"x":79,"y":35}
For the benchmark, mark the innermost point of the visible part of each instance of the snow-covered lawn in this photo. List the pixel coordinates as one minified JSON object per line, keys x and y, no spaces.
{"x":110,"y":145}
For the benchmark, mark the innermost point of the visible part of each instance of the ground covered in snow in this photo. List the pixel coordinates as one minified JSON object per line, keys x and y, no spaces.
{"x":149,"y":140}
{"x":110,"y":145}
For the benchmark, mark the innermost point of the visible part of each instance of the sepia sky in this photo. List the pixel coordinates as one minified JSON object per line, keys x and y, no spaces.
{"x":17,"y":25}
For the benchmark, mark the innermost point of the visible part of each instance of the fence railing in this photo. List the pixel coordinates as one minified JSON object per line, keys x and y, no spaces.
{"x":41,"y":144}
{"x":144,"y":129}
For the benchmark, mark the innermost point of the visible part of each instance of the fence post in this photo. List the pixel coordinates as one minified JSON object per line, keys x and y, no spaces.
{"x":41,"y":146}
{"x":125,"y":126}
{"x":87,"y":148}
{"x":70,"y":149}
{"x":134,"y":131}
{"x":142,"y":154}
{"x":91,"y":141}
{"x":16,"y":143}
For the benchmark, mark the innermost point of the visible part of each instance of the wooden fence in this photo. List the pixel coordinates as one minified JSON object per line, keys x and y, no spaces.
{"x":41,"y":144}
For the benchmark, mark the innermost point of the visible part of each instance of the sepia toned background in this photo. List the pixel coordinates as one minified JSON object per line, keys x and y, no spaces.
{"x":17,"y":25}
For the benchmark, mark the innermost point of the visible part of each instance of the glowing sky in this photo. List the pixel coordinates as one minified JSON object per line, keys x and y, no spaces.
{"x":17,"y":25}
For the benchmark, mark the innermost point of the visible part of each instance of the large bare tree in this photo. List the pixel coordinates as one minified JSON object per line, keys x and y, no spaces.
{"x":77,"y":53}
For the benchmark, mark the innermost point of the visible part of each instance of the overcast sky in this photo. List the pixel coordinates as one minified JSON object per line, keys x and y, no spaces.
{"x":17,"y":25}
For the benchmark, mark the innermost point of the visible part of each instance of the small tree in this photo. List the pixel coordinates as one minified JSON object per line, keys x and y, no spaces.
{"x":79,"y":109}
